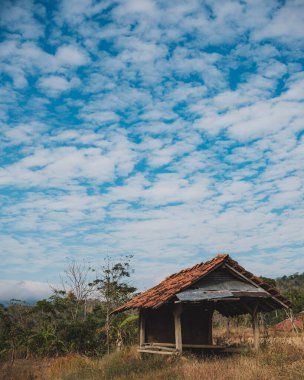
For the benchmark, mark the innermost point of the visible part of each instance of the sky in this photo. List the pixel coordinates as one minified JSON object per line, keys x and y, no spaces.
{"x":169,"y":130}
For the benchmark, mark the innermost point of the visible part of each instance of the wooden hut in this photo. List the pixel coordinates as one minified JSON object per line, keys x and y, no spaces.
{"x":177,"y":313}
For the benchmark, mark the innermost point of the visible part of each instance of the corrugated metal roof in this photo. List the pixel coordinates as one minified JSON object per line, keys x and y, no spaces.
{"x":200,"y":295}
{"x":182,"y":280}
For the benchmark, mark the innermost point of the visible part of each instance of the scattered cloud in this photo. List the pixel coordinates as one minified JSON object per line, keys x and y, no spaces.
{"x":71,"y":55}
{"x":170,"y":131}
{"x":54,"y":84}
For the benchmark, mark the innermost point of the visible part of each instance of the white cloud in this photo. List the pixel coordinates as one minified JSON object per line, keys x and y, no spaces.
{"x":19,"y":59}
{"x":58,"y":166}
{"x":75,"y":11}
{"x":286,"y":24}
{"x":55,"y":84}
{"x":71,"y":55}
{"x":18,"y":17}
{"x":23,"y":133}
{"x":23,"y":290}
{"x":100,"y":117}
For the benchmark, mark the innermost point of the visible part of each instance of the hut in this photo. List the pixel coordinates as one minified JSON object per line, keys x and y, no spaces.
{"x":176,"y":314}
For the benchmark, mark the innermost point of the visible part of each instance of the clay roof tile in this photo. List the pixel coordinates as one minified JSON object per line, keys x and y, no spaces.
{"x":179,"y":281}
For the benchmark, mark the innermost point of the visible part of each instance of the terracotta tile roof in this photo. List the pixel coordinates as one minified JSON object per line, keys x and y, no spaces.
{"x":164,"y":291}
{"x":289,"y":325}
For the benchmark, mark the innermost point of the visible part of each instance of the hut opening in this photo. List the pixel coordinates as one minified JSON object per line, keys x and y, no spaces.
{"x":176,"y":314}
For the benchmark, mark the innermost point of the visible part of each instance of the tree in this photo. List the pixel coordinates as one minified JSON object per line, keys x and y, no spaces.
{"x":113,"y":287}
{"x":76,"y":285}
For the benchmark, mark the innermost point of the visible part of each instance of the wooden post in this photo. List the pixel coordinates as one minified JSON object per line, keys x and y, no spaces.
{"x":142,"y":325}
{"x":227,"y":327}
{"x":255,"y":327}
{"x":178,"y":327}
{"x":210,"y":327}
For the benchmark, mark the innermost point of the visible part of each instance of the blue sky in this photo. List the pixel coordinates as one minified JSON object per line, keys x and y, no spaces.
{"x":167,"y":130}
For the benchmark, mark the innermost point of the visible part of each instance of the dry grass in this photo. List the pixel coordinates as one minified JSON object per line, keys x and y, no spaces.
{"x":282,"y":358}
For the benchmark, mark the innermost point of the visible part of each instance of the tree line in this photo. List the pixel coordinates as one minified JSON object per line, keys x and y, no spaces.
{"x":76,"y":318}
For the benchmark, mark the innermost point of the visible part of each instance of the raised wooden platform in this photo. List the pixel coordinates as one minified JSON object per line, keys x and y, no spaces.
{"x":157,"y":348}
{"x":169,"y":348}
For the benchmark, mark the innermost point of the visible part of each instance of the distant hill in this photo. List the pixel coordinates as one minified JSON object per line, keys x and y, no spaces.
{"x":293,"y":288}
{"x":29,"y":301}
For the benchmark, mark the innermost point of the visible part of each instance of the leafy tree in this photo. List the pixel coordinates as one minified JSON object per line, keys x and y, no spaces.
{"x":114,"y":289}
{"x":293,"y":288}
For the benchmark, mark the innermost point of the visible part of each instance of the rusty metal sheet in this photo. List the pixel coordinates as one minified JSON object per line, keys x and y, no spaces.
{"x":200,"y":295}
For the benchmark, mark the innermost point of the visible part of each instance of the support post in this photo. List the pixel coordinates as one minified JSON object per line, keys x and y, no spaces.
{"x":227,"y":327}
{"x":142,"y":325}
{"x":255,"y":327}
{"x":178,"y":327}
{"x":210,"y":327}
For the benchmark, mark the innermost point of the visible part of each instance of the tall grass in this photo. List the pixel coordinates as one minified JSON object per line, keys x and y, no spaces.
{"x":280,"y":359}
{"x":120,"y":365}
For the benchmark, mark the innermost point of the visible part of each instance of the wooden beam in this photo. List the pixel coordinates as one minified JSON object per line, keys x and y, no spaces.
{"x":142,"y":328}
{"x":242,"y":276}
{"x":253,"y":283}
{"x":160,"y":347}
{"x":224,"y":299}
{"x":163,"y":344}
{"x":255,"y":327}
{"x":210,"y":338}
{"x":178,"y":327}
{"x":156,"y":352}
{"x":211,"y":346}
{"x":227,"y":327}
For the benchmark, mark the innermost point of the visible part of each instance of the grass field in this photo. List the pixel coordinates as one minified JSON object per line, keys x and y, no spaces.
{"x":280,"y":357}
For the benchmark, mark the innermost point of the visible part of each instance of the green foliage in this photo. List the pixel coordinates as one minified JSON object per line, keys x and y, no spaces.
{"x":67,"y":323}
{"x":293,"y":288}
{"x":128,"y":321}
{"x":114,"y":290}
{"x":269,"y":281}
{"x":111,"y":283}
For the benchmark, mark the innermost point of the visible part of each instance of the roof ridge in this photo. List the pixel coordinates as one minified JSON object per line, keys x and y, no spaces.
{"x":218,"y":256}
